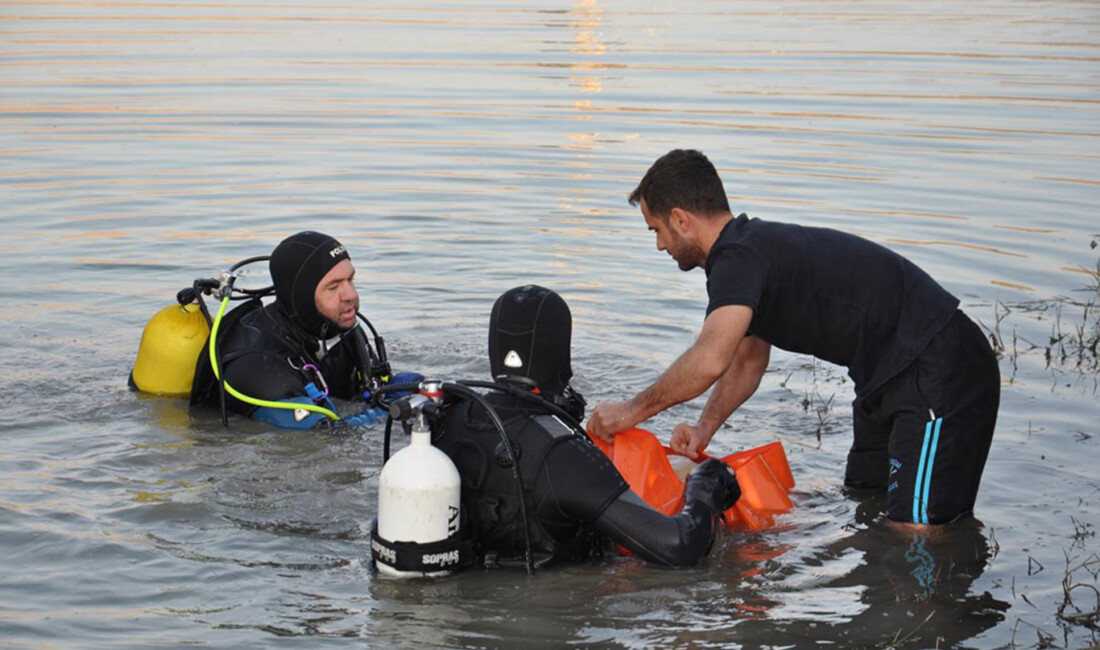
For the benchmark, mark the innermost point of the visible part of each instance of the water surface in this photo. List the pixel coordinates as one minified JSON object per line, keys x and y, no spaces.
{"x":460,"y":149}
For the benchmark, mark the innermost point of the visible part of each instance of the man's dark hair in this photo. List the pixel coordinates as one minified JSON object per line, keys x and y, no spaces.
{"x":682,"y":178}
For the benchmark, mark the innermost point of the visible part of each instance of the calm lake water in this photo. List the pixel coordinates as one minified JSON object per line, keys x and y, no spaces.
{"x":460,"y":149}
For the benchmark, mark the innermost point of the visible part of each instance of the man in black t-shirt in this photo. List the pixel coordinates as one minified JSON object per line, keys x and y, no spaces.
{"x":926,"y":380}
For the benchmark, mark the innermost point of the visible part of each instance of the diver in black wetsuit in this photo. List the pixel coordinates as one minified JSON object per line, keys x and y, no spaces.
{"x":306,"y":347}
{"x":575,"y":498}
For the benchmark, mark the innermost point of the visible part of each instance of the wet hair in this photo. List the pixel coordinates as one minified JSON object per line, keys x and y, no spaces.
{"x":530,"y":331}
{"x":298,"y":264}
{"x":682,"y":178}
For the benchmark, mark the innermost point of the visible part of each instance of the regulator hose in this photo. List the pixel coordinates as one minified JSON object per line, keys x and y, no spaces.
{"x":377,"y":400}
{"x":526,"y":394}
{"x":262,"y":291}
{"x":214,"y":358}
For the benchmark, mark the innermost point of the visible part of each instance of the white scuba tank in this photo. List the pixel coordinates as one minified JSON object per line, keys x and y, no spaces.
{"x":419,"y":493}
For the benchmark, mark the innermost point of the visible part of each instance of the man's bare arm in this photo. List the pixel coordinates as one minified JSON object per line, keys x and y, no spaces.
{"x":689,"y":376}
{"x":736,"y":385}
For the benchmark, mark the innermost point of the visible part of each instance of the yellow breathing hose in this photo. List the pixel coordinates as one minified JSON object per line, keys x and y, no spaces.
{"x":252,"y":400}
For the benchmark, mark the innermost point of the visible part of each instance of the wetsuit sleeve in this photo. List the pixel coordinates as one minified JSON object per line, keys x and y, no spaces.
{"x":582,"y":479}
{"x":589,"y":488}
{"x":681,"y":540}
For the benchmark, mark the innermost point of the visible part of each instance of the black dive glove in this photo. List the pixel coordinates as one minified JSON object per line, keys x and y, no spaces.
{"x":714,"y":484}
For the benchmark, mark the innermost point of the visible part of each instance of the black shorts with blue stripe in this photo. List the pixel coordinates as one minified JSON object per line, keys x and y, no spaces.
{"x":925,"y":435}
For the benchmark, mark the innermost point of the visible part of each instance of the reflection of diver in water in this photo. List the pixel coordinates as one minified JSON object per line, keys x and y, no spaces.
{"x":912,"y":587}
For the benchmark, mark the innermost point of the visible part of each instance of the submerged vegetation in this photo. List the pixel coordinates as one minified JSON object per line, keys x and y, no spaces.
{"x":1072,"y":343}
{"x":1080,"y":598}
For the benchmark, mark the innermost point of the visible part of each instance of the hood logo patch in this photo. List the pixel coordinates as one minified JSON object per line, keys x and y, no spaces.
{"x":336,"y":252}
{"x":512,"y":360}
{"x":300,"y":414}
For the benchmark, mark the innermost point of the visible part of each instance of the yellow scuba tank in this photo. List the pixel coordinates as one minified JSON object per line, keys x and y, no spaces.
{"x":170,"y":346}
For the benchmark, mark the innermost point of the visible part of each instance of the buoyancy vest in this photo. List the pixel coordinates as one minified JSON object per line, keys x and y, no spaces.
{"x":264,"y":356}
{"x":492,"y":519}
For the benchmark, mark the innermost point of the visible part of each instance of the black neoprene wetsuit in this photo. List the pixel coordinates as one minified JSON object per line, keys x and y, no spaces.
{"x":576,"y":500}
{"x":265,"y":356}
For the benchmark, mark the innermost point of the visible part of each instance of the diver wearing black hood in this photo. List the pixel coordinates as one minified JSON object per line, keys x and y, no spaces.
{"x":575,"y":499}
{"x":309,"y":335}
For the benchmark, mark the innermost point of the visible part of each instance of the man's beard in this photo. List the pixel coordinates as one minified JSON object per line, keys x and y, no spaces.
{"x":686,"y":257}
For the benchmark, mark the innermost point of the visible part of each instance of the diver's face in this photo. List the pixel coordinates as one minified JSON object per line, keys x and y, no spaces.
{"x":336,"y":297}
{"x":670,"y":240}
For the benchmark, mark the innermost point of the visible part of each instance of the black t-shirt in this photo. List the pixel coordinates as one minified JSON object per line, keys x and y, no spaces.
{"x":823,"y":292}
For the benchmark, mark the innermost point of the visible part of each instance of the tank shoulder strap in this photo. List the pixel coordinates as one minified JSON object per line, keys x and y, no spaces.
{"x":534,"y":438}
{"x":555,"y":428}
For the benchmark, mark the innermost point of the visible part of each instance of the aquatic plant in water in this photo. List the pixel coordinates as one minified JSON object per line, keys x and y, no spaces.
{"x":1074,"y":345}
